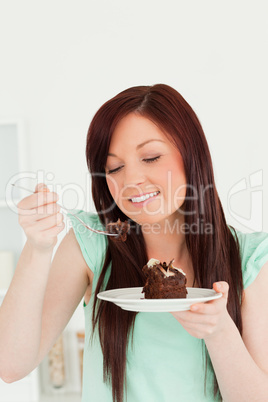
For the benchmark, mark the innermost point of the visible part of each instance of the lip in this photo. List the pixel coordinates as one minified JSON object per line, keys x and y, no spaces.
{"x":141,"y":194}
{"x":141,"y":204}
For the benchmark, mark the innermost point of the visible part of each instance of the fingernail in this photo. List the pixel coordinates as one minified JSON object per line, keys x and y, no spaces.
{"x":39,"y":186}
{"x":194,"y":308}
{"x":219,"y":285}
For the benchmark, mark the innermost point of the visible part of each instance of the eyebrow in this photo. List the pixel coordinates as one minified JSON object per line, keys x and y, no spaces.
{"x":139,"y":146}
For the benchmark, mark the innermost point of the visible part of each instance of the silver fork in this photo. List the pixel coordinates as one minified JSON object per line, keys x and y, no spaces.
{"x":75,"y":216}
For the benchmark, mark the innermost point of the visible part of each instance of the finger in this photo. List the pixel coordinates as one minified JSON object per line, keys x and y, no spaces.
{"x":187,"y":316}
{"x":37,"y":200}
{"x":52,"y":231}
{"x":30,"y":217}
{"x":47,"y":223}
{"x":221,"y":287}
{"x":46,"y":210}
{"x":50,"y":222}
{"x":55,"y":230}
{"x":212,"y":307}
{"x":209,"y":308}
{"x":191,"y":320}
{"x":41,"y":187}
{"x":42,"y":212}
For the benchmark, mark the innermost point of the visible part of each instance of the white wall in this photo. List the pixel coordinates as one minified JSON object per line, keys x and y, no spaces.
{"x":60,"y":60}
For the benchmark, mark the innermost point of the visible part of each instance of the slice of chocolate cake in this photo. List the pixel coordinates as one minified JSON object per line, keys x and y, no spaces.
{"x":120,"y":228}
{"x":164,"y":281}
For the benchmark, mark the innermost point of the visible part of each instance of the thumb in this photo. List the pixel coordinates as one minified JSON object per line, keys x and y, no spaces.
{"x":41,"y":187}
{"x":221,"y":287}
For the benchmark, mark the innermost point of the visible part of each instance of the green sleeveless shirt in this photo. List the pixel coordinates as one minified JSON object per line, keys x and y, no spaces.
{"x":164,"y":363}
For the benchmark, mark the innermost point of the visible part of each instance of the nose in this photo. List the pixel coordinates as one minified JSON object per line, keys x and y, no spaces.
{"x":133,"y":176}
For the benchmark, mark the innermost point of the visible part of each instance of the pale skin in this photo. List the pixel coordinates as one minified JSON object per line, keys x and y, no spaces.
{"x":41,"y":285}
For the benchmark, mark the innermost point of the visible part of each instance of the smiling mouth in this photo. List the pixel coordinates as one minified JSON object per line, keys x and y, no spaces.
{"x":144,"y":197}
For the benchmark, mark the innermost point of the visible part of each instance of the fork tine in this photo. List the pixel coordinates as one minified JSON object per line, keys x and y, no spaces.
{"x":90,"y":228}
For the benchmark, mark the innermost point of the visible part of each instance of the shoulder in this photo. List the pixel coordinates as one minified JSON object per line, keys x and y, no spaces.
{"x":92,"y":245}
{"x":258,"y":288}
{"x":254,"y":253}
{"x":70,"y":251}
{"x":255,"y":318}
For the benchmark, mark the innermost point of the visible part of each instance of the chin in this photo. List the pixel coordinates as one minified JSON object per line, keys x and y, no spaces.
{"x":151,"y":216}
{"x":156,"y":221}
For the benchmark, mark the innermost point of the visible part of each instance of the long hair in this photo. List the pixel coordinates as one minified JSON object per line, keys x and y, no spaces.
{"x":212,"y":247}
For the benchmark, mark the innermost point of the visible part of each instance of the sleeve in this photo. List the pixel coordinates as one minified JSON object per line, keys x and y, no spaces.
{"x":254,"y":255}
{"x":93,"y":246}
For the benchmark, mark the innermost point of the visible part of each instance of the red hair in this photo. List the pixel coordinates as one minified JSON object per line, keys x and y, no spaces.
{"x":215,"y":254}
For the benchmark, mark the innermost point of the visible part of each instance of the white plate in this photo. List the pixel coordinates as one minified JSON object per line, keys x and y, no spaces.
{"x":132,"y":299}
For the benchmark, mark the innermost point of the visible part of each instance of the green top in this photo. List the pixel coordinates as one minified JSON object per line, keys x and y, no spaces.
{"x":165,"y":363}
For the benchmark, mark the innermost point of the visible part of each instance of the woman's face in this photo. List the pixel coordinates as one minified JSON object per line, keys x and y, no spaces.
{"x":144,"y":171}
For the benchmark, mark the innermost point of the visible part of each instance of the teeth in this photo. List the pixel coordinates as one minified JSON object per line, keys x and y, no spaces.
{"x":144,"y":197}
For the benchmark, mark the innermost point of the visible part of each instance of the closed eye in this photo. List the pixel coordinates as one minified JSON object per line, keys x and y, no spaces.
{"x":150,"y":160}
{"x":146,"y":160}
{"x":114,"y":170}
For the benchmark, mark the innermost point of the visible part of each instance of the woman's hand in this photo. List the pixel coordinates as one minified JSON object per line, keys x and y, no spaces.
{"x":204,"y":320}
{"x":40,"y":218}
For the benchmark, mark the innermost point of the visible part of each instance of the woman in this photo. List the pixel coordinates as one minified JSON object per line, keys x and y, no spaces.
{"x":150,"y":164}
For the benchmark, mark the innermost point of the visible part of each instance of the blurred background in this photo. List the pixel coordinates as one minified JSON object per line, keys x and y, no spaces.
{"x":61,"y":60}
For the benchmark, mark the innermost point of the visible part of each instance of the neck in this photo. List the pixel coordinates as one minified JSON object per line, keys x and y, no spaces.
{"x":165,"y":240}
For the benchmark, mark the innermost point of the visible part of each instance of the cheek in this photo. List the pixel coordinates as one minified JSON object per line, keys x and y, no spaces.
{"x":171,"y":176}
{"x":179,"y":192}
{"x":113,"y":187}
{"x":116,"y":189}
{"x":174,"y":183}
